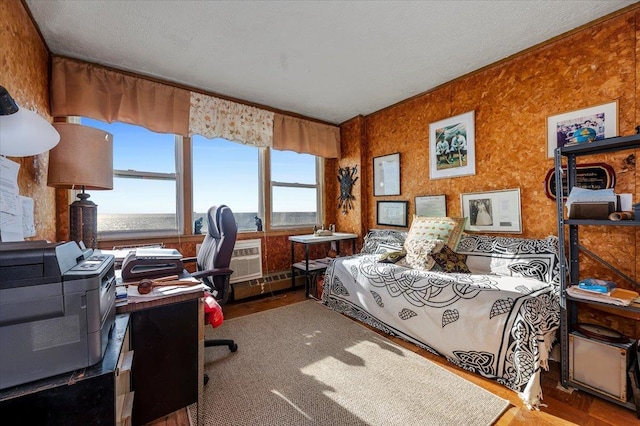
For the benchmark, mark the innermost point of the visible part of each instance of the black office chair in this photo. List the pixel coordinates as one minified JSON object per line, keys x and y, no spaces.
{"x":214,"y":258}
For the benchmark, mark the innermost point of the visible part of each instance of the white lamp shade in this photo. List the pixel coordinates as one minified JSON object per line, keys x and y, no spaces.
{"x":25,"y":133}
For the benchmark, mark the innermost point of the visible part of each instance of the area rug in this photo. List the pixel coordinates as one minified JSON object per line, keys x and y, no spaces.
{"x":304,"y":364}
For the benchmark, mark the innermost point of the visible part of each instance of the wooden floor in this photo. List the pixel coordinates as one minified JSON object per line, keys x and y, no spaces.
{"x":563,"y":408}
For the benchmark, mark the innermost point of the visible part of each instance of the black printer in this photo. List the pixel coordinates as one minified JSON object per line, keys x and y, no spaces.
{"x":57,"y":309}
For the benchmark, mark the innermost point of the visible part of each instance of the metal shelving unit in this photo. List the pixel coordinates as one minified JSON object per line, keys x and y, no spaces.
{"x":569,"y":260}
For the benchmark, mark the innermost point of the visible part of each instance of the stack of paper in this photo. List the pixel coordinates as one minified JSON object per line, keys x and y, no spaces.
{"x":618,"y":296}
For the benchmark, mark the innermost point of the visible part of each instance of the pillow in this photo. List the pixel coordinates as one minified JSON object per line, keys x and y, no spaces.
{"x":388,"y":248}
{"x":392,"y":256}
{"x":418,"y":253}
{"x":447,"y":229}
{"x":378,"y":236}
{"x":448,"y":260}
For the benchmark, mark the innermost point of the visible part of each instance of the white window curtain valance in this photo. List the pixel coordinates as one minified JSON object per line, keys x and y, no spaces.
{"x":213,"y":117}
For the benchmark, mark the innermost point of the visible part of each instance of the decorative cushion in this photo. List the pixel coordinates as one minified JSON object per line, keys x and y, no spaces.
{"x":447,"y":229}
{"x":379,"y":236}
{"x":418,"y":253}
{"x":388,"y":248}
{"x":392,"y":256}
{"x":518,"y":257}
{"x":450,"y":261}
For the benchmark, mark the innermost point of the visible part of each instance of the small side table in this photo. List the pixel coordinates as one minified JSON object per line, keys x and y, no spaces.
{"x":313,"y":267}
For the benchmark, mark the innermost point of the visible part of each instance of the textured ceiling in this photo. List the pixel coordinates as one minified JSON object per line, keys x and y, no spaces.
{"x":330,"y":60}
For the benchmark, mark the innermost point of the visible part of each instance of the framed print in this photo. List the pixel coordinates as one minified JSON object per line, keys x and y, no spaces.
{"x":386,"y":175}
{"x":580,"y":126}
{"x":492,"y":211}
{"x":452,"y":147}
{"x":431,"y":206}
{"x":392,"y":213}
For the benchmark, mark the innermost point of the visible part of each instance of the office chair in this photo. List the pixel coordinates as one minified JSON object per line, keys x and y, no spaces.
{"x":213,"y":261}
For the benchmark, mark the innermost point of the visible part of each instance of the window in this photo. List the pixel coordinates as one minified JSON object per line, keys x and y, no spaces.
{"x":227,"y":173}
{"x":295,"y":189}
{"x":144,"y":195}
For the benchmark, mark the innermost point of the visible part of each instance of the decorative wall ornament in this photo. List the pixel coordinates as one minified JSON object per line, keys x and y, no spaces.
{"x":346,"y":179}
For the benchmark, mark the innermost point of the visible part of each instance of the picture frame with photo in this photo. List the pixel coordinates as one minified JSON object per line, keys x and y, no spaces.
{"x":431,"y":206}
{"x":392,"y":213}
{"x":386,"y":175}
{"x":452,"y":147}
{"x":492,"y":211}
{"x":582,"y":126}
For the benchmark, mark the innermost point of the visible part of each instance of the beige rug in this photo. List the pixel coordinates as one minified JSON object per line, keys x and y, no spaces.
{"x":304,"y":364}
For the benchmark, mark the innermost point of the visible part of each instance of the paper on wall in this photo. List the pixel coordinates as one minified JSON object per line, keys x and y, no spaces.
{"x":28,"y":222}
{"x":10,"y":204}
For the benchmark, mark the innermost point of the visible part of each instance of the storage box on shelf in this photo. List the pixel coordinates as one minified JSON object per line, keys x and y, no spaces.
{"x":569,"y":261}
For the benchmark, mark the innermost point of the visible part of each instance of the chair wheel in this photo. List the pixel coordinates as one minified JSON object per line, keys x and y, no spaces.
{"x":233,"y":347}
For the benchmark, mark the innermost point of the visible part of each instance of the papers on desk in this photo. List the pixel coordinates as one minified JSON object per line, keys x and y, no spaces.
{"x":191,"y":285}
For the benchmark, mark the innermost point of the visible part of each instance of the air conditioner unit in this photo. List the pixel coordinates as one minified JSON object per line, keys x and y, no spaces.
{"x":246,"y":261}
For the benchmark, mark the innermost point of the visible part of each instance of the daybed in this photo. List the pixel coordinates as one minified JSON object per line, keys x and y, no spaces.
{"x":498,"y":320}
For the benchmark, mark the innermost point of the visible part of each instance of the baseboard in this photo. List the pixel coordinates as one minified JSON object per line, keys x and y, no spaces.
{"x":268,"y":284}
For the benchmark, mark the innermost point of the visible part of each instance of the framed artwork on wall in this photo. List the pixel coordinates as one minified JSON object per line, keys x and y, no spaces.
{"x":582,"y":126}
{"x":392,"y":213}
{"x":431,"y":206}
{"x":386,"y":175}
{"x":492,"y":211}
{"x":452,"y":147}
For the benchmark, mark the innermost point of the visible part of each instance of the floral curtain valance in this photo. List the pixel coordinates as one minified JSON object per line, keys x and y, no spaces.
{"x":304,"y":136}
{"x":82,"y":89}
{"x":214,"y":117}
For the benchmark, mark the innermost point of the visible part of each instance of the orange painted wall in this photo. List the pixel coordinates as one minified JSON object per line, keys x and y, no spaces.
{"x":24,"y":72}
{"x":512,"y":99}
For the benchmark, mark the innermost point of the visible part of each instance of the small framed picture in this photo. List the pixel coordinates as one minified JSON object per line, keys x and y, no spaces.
{"x":492,"y":211}
{"x":582,"y":126}
{"x":386,"y":175}
{"x":392,"y":213}
{"x":452,"y":147}
{"x":431,"y":206}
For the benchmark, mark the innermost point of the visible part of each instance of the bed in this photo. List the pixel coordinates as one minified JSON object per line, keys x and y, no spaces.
{"x":498,"y":319}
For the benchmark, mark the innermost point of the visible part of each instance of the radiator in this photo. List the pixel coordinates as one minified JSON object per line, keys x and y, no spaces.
{"x":246,"y":261}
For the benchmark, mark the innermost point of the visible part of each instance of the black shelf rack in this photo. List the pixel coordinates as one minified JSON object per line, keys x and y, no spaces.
{"x":569,"y":262}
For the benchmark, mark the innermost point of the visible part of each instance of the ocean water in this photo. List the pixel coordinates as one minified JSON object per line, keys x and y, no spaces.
{"x":160,"y":221}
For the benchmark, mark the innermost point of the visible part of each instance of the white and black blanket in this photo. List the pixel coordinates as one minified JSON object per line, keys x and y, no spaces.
{"x":501,"y":327}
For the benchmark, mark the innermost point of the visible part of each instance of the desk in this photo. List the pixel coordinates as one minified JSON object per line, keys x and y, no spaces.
{"x":167,"y":336}
{"x":311,"y":268}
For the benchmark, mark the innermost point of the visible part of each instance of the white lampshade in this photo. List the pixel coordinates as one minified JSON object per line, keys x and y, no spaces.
{"x":23,"y":132}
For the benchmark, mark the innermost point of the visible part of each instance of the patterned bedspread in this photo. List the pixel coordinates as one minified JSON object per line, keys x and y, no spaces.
{"x":500,"y":327}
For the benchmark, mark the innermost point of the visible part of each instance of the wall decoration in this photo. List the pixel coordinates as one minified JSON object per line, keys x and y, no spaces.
{"x":346,"y":179}
{"x":452,"y":147}
{"x":582,"y":126}
{"x":492,"y":211}
{"x":392,"y":213}
{"x":431,"y":206}
{"x":386,"y":175}
{"x":588,"y":176}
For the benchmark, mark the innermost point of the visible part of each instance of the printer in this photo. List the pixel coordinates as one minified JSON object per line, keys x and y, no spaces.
{"x":57,"y":309}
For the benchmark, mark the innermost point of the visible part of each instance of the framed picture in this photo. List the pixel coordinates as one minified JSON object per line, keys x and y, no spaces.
{"x":452,"y":147}
{"x":386,"y":175}
{"x":583,"y":125}
{"x":392,"y":213}
{"x":492,"y":211}
{"x":431,"y":206}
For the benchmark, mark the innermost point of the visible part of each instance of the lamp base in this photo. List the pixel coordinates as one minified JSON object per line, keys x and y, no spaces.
{"x":83,"y":221}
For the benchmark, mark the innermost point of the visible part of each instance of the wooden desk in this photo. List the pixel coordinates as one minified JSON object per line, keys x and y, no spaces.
{"x":167,"y":336}
{"x":311,"y":268}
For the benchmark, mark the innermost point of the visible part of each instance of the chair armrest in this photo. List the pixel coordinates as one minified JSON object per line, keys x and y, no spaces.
{"x":189,"y":259}
{"x":212,"y":272}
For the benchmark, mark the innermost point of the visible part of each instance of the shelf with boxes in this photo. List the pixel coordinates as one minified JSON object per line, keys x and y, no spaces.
{"x":604,"y":367}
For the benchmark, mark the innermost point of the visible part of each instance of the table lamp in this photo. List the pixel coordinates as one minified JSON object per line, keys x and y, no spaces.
{"x":23,"y":132}
{"x":82,"y":160}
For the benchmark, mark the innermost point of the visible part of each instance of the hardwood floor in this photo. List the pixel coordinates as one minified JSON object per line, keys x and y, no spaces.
{"x":562,"y":407}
